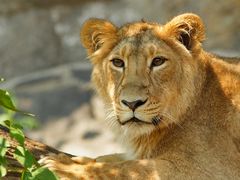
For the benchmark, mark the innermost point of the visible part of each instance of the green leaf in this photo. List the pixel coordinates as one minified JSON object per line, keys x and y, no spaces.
{"x":6,"y":101}
{"x":3,"y":170}
{"x":4,"y":144}
{"x":26,"y":175}
{"x":24,"y":157}
{"x":2,"y":79}
{"x":17,"y":134}
{"x":43,"y":173}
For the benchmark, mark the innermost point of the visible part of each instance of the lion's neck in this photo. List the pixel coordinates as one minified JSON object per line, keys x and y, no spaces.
{"x":146,"y":146}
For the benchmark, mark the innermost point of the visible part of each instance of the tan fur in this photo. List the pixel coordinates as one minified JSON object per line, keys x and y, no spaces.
{"x":196,"y":94}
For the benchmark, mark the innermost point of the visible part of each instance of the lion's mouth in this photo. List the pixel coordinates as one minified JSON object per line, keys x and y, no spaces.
{"x":155,"y":121}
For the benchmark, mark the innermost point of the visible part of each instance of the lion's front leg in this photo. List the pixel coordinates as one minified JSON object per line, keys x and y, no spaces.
{"x":68,"y":169}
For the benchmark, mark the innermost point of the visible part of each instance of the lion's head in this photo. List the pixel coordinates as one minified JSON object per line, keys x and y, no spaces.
{"x":147,"y":73}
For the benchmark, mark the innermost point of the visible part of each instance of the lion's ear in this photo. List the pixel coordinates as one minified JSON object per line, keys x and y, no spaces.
{"x":96,"y":32}
{"x":187,"y":28}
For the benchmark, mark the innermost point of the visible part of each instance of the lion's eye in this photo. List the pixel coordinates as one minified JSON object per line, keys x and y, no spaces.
{"x":118,"y":63}
{"x":158,"y":61}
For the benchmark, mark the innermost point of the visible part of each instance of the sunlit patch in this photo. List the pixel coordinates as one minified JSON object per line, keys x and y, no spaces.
{"x":114,"y":172}
{"x":144,"y":162}
{"x":111,"y":91}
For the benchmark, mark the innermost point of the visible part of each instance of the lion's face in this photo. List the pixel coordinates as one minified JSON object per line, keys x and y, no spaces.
{"x":145,"y":76}
{"x":143,"y":82}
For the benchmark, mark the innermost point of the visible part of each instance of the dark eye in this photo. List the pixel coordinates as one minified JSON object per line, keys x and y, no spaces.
{"x":158,"y":61}
{"x":118,"y":63}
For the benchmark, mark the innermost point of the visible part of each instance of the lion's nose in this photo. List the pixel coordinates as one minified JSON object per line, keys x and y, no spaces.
{"x":134,"y":104}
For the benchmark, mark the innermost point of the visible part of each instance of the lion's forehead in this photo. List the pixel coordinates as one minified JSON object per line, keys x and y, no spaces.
{"x":140,"y":44}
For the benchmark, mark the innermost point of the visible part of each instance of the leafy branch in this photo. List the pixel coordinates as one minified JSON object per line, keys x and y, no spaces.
{"x":30,"y":170}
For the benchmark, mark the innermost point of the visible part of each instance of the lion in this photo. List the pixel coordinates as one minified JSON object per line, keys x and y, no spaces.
{"x":175,"y":107}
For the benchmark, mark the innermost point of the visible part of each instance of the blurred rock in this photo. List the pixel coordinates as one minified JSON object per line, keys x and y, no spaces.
{"x":28,"y":43}
{"x":63,"y":101}
{"x":53,"y":93}
{"x":15,"y":6}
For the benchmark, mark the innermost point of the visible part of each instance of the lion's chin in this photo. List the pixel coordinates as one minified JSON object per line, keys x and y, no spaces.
{"x":133,"y":130}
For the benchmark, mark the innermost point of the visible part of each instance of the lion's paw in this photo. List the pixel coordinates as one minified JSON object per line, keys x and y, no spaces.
{"x":64,"y":166}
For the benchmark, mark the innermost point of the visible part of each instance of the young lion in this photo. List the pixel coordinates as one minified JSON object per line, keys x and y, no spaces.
{"x":175,"y":106}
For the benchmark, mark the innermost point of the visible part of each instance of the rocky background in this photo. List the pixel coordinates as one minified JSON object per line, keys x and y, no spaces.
{"x":46,"y":67}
